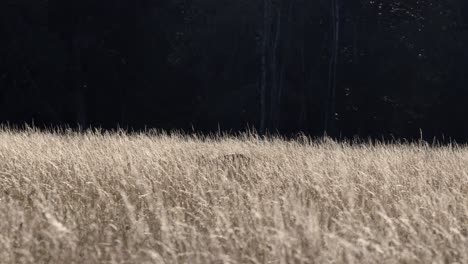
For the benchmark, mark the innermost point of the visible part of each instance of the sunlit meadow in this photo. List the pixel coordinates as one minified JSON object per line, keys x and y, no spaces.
{"x":157,"y":198}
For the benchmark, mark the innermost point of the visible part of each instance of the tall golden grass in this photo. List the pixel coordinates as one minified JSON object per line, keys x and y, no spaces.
{"x":117,"y":198}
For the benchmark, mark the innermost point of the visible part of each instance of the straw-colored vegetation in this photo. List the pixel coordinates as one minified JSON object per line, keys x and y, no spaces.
{"x":114,"y":198}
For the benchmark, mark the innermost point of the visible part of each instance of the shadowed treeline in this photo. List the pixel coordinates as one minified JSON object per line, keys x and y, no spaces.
{"x":381,"y":69}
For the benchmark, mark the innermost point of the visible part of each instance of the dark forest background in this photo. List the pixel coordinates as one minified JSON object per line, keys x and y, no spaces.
{"x":351,"y":68}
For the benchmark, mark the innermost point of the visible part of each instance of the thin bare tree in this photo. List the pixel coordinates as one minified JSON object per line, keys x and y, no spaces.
{"x":330,"y":111}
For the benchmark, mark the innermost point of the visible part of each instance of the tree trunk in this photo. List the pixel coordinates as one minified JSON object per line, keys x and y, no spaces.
{"x":274,"y":74}
{"x":263,"y":79}
{"x":330,"y":112}
{"x":76,"y":83}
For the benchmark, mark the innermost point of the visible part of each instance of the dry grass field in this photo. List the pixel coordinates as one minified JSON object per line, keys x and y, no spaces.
{"x":115,"y":198}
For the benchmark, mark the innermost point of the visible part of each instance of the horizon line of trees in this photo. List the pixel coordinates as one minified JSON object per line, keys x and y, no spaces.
{"x":347,"y":68}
